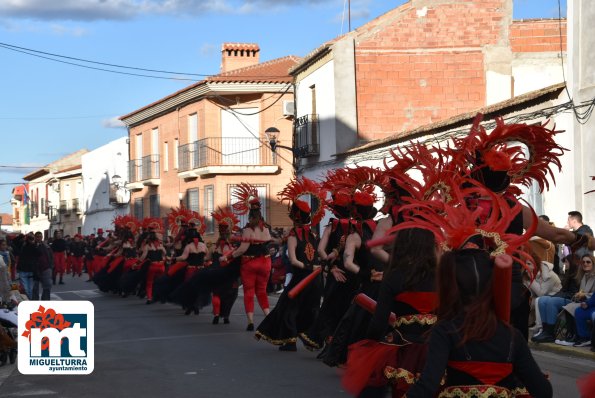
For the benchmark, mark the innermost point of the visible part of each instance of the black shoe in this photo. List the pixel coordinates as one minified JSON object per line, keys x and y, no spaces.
{"x":61,"y":283}
{"x":149,"y":302}
{"x":250,"y":327}
{"x":288,"y":347}
{"x":216,"y":320}
{"x":12,"y":356}
{"x":543,"y":337}
{"x":188,"y":311}
{"x":3,"y":358}
{"x":226,"y":321}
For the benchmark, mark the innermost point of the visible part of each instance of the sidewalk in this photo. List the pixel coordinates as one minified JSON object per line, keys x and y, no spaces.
{"x":580,"y":352}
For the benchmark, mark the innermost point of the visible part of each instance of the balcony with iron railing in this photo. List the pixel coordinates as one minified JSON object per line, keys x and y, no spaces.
{"x":76,"y":206}
{"x":225,"y":155}
{"x":144,"y":171}
{"x":307,"y":135}
{"x":64,"y":207}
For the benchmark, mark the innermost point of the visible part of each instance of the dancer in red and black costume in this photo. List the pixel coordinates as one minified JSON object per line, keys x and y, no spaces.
{"x":59,"y":248}
{"x":296,"y":314}
{"x":174,"y":276}
{"x":395,"y":353}
{"x":153,"y":252}
{"x":367,"y":271}
{"x":76,"y":253}
{"x":498,"y":162}
{"x":482,"y":354}
{"x":226,"y":282}
{"x":256,"y":261}
{"x":330,"y":250}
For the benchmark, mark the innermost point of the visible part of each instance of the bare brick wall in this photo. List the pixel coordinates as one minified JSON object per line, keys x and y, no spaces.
{"x":420,"y":65}
{"x":538,"y":35}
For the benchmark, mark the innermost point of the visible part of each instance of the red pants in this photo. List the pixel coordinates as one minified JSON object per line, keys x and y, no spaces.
{"x":191,"y":270}
{"x":129,"y":263}
{"x":99,"y":262}
{"x":114,"y":264}
{"x":59,"y":263}
{"x":216,"y":302}
{"x":174,"y":268}
{"x":255,"y":273}
{"x":77,"y":265}
{"x":156,"y":269}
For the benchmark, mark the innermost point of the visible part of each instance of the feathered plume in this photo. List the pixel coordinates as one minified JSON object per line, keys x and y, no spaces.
{"x":198,"y":221}
{"x":177,"y":217}
{"x":227,"y":217}
{"x":153,"y":223}
{"x":303,"y":186}
{"x":247,"y":198}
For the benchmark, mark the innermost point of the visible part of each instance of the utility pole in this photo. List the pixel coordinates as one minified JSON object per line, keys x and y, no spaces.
{"x":349,"y":14}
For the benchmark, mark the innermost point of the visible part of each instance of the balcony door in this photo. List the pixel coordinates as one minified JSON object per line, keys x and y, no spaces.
{"x":240,"y":144}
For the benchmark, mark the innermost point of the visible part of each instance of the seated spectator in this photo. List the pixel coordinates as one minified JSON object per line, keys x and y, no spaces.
{"x":585,"y":293}
{"x":545,"y":283}
{"x":584,"y":313}
{"x":548,"y":307}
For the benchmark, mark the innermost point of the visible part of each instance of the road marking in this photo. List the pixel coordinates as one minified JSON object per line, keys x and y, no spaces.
{"x":54,"y":297}
{"x":31,"y":393}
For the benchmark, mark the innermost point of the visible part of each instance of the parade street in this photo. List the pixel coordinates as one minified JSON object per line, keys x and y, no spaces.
{"x":157,"y":351}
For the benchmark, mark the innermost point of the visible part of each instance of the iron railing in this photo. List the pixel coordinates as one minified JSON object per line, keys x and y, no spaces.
{"x":306,"y":135}
{"x":142,"y":169}
{"x":76,"y":206}
{"x":63,"y":206}
{"x":224,"y":151}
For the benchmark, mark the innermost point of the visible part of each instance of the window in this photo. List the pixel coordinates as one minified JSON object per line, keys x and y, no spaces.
{"x":154,"y":210}
{"x":138,"y":208}
{"x":165,"y":156}
{"x":192,"y":199}
{"x":176,"y":145}
{"x":192,"y":128}
{"x":209,"y":206}
{"x":262,"y":194}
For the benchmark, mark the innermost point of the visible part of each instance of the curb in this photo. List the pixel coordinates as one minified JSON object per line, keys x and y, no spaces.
{"x":580,"y":352}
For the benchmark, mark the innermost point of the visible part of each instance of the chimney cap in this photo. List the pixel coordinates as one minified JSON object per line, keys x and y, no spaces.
{"x":240,"y":46}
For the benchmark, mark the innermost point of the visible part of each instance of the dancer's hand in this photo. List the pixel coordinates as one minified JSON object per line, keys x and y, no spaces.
{"x":376,"y":276}
{"x":339,"y":274}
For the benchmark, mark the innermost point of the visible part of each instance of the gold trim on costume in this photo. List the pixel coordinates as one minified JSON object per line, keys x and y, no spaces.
{"x":259,"y":335}
{"x":310,"y":343}
{"x":399,"y":374}
{"x":476,"y":391}
{"x":421,"y":319}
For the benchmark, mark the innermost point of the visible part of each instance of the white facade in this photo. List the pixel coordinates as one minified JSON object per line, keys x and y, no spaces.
{"x":581,"y":84}
{"x":38,"y":201}
{"x":99,"y":168}
{"x":534,"y":71}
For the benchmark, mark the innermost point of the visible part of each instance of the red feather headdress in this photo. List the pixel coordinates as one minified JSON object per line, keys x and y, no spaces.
{"x":247,"y":198}
{"x":437,"y":173}
{"x":153,"y":223}
{"x":299,"y":187}
{"x":198,"y":221}
{"x":226,"y":217}
{"x":500,"y":151}
{"x":127,"y":221}
{"x":364,"y":179}
{"x":177,"y":217}
{"x":454,"y":224}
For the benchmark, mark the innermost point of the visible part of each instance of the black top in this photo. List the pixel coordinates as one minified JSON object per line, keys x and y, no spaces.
{"x":155,"y":255}
{"x":257,"y":250}
{"x":58,"y":245}
{"x":305,"y":251}
{"x":506,"y":346}
{"x":363,"y":258}
{"x":77,"y":249}
{"x":392,"y":285}
{"x":195,"y":259}
{"x":129,"y":252}
{"x":340,"y":229}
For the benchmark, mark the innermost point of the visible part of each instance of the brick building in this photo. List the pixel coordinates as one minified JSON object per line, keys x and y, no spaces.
{"x":420,"y":63}
{"x":194,"y":145}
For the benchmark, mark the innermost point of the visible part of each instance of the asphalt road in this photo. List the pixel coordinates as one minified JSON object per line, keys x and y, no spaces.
{"x":157,"y":351}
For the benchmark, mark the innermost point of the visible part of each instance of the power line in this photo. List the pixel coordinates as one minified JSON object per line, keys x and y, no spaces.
{"x":95,"y":68}
{"x":48,"y":55}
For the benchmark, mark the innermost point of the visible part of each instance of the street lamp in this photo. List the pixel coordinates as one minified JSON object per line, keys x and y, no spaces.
{"x":272,"y":134}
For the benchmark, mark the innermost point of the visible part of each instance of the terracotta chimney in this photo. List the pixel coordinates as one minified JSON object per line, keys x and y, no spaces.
{"x":238,"y":55}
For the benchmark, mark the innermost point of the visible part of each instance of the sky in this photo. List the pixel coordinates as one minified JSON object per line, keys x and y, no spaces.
{"x":49,"y":109}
